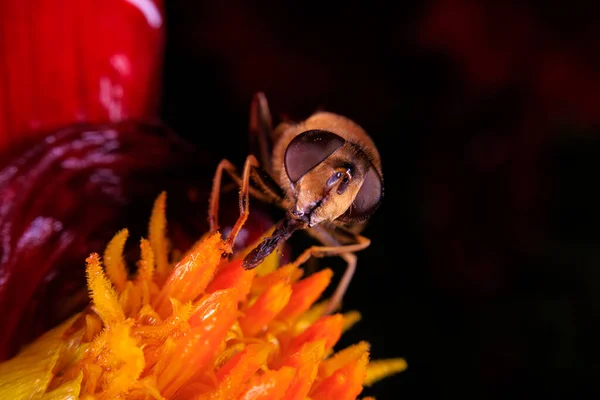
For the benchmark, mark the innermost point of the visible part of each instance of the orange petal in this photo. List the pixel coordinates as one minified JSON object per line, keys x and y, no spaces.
{"x":343,"y":384}
{"x":238,"y":370}
{"x":196,"y":348}
{"x":113,"y":260}
{"x":271,"y":385}
{"x":306,"y":362}
{"x":305,"y":293}
{"x":309,"y":317}
{"x":159,"y":356}
{"x":232,"y":275}
{"x":328,"y":328}
{"x":266,"y":307}
{"x":191,"y":275}
{"x":228,"y":353}
{"x":287,"y":274}
{"x":104,"y":298}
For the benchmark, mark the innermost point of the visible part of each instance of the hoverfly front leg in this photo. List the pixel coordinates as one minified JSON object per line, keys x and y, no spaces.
{"x":245,"y":191}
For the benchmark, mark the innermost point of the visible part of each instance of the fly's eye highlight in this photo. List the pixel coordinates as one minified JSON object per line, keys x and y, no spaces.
{"x":334,"y":178}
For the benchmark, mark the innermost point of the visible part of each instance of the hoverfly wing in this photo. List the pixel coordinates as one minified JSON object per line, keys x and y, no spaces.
{"x":260,"y":130}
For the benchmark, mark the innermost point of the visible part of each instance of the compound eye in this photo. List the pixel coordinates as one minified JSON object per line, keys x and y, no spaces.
{"x":367,"y":199}
{"x":309,"y":149}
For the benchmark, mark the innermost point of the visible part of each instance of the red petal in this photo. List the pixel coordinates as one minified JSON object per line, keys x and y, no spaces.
{"x":73,"y":61}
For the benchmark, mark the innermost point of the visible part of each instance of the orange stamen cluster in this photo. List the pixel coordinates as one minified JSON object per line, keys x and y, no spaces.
{"x":202,"y":328}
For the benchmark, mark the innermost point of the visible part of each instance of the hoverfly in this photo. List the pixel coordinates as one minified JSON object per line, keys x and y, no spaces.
{"x":325,"y":172}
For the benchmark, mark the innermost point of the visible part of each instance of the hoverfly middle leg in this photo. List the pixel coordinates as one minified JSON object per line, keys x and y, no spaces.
{"x":333,"y":247}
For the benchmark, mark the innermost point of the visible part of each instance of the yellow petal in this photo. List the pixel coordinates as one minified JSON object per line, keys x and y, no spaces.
{"x":67,"y":391}
{"x":28,"y":374}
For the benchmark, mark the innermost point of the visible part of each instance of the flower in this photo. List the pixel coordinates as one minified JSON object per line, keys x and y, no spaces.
{"x":103,"y":177}
{"x":195,"y":326}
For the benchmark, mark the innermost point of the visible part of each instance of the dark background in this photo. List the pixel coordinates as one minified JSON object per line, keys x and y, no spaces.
{"x":486,"y":116}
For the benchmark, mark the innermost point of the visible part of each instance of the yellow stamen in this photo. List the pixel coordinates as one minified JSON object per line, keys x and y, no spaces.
{"x":351,"y":318}
{"x":125,"y":360}
{"x":349,"y":354}
{"x":377,"y":370}
{"x":102,"y":293}
{"x":158,"y":241}
{"x":114,"y":262}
